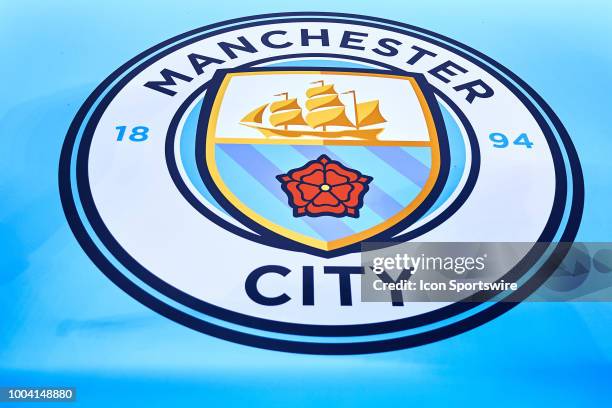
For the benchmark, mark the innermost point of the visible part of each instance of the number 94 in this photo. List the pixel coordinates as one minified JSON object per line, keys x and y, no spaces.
{"x":501,"y":141}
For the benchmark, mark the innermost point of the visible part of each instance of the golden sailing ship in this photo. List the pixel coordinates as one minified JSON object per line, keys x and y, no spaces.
{"x":324,"y":108}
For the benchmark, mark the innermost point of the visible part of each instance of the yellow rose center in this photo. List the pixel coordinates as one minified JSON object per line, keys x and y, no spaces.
{"x":325,"y":187}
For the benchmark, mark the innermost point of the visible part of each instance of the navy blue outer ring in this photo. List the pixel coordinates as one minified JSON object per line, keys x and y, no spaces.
{"x":455,"y":328}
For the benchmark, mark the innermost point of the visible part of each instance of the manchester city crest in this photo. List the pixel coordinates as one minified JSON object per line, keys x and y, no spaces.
{"x":232,"y":178}
{"x":322,"y":158}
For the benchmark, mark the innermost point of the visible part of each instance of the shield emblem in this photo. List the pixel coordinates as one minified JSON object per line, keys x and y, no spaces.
{"x":321,"y":159}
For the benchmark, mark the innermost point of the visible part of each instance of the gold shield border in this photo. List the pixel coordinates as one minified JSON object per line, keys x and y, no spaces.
{"x":434,"y":172}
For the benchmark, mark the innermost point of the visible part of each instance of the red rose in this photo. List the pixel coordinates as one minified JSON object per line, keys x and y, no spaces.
{"x":325,"y":187}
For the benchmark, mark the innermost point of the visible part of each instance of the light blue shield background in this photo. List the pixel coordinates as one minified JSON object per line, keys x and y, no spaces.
{"x":64,"y":323}
{"x":250,"y":171}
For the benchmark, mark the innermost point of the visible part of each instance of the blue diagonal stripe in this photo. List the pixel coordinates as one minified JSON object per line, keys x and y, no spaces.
{"x":405,"y":163}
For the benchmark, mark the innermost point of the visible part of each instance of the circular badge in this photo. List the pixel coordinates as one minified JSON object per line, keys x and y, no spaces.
{"x":227,"y":178}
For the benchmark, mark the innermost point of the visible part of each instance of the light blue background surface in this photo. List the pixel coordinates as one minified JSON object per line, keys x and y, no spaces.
{"x":64,"y":323}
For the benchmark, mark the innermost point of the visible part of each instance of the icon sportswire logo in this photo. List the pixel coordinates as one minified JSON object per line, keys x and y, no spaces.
{"x":229,"y":177}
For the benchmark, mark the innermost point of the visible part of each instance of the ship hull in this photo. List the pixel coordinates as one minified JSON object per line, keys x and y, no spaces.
{"x":364,"y":134}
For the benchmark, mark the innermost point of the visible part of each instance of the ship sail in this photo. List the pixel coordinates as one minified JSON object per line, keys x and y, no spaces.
{"x":287,"y":117}
{"x":321,"y":90}
{"x":335,"y":116}
{"x":368,"y":113}
{"x":284,"y":105}
{"x":256,"y":115}
{"x":282,"y":113}
{"x":324,"y":101}
{"x":326,"y":108}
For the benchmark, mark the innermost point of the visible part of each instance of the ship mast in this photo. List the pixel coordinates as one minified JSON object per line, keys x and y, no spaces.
{"x":322,"y":82}
{"x":354,"y":106}
{"x":286,"y":95}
